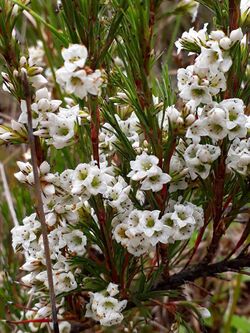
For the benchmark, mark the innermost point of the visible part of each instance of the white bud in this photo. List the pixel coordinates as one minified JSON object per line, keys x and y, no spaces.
{"x":179,"y":121}
{"x":15,"y":72}
{"x":23,"y":61}
{"x":23,"y":71}
{"x":5,"y":76}
{"x":217,"y":35}
{"x":204,"y":156}
{"x":225,"y":43}
{"x":236,"y":35}
{"x":190,"y":119}
{"x":15,"y":10}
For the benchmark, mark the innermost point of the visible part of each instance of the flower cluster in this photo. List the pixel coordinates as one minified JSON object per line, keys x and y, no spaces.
{"x":145,"y":170}
{"x":104,"y":307}
{"x":56,"y":124}
{"x":199,"y":158}
{"x":200,"y":85}
{"x":238,"y":159}
{"x":143,"y":229}
{"x":76,"y":78}
{"x":206,"y":78}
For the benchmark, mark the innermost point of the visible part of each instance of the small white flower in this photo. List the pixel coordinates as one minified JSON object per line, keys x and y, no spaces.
{"x":199,"y":94}
{"x":142,"y":165}
{"x":138,"y":245}
{"x":155,"y":179}
{"x":94,"y":82}
{"x":119,"y":233}
{"x":150,"y":222}
{"x":61,"y":130}
{"x":183,"y":215}
{"x":76,"y":241}
{"x":74,"y":56}
{"x":65,"y":282}
{"x":105,"y":309}
{"x":112,"y":289}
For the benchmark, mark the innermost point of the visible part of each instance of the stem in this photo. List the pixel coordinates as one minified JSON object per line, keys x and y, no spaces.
{"x":8,"y":195}
{"x":203,"y":270}
{"x":39,"y":202}
{"x":236,"y":295}
{"x":95,"y":126}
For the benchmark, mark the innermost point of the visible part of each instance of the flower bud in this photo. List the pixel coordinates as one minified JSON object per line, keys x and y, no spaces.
{"x":236,"y":35}
{"x":15,"y":73}
{"x":225,"y":43}
{"x":190,"y":119}
{"x":217,"y":34}
{"x":5,"y":76}
{"x":23,"y":61}
{"x":15,"y":10}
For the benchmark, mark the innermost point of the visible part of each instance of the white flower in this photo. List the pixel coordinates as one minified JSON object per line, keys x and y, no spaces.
{"x":94,"y":82}
{"x":76,"y":241}
{"x":65,"y":282}
{"x":56,"y":240}
{"x":112,"y":289}
{"x":138,"y":245}
{"x":199,"y":94}
{"x":142,"y":165}
{"x":184,"y":77}
{"x":105,"y":309}
{"x":95,"y":183}
{"x":183,"y":215}
{"x":238,"y":159}
{"x":23,"y":118}
{"x":155,"y":179}
{"x":213,"y":58}
{"x":88,"y":180}
{"x":79,"y":177}
{"x":196,"y":130}
{"x":149,"y":222}
{"x":118,"y":193}
{"x":183,"y":233}
{"x":217,"y":83}
{"x":199,"y":158}
{"x":76,"y":84}
{"x":119,"y":233}
{"x":36,"y":55}
{"x":61,"y":130}
{"x":236,"y":119}
{"x":38,"y":81}
{"x":26,"y":175}
{"x":22,"y":236}
{"x":163,"y":235}
{"x":215,"y":124}
{"x":199,"y":38}
{"x":74,"y":56}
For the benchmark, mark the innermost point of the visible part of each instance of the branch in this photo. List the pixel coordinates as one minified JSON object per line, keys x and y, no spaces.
{"x":39,"y":203}
{"x":8,"y":195}
{"x":203,"y":270}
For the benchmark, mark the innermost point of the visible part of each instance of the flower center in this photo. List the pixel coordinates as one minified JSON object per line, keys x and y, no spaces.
{"x":63,"y":131}
{"x":150,"y":223}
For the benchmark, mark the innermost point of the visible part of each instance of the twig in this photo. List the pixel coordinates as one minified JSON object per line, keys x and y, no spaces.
{"x":203,"y":270}
{"x":40,"y":210}
{"x":8,"y":195}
